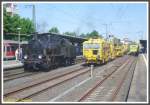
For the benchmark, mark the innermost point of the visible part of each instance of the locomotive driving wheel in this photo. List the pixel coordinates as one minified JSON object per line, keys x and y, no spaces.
{"x":46,"y":65}
{"x":26,"y":68}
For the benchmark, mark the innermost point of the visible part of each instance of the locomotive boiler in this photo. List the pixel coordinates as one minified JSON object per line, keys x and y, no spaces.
{"x":47,"y":51}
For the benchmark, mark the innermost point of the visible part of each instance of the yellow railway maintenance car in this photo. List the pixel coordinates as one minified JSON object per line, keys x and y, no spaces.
{"x":116,"y":49}
{"x":134,"y":49}
{"x":96,"y":51}
{"x":119,"y":50}
{"x":112,"y":50}
{"x":125,"y":48}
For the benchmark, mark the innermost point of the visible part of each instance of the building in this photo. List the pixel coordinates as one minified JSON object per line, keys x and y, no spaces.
{"x":143,"y":46}
{"x":126,"y":41}
{"x":11,"y":8}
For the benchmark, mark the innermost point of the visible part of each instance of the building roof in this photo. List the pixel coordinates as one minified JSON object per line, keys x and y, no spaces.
{"x":71,"y":38}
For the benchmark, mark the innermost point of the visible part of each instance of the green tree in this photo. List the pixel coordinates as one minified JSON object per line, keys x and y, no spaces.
{"x":54,"y":30}
{"x":26,"y":26}
{"x":6,"y":19}
{"x":11,"y":23}
{"x":83,"y":35}
{"x":93,"y":34}
{"x":70,"y":33}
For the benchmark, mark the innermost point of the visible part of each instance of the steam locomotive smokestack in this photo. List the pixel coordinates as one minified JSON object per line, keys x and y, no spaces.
{"x":34,"y":35}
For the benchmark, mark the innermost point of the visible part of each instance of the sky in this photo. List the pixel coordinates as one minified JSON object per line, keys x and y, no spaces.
{"x":124,"y":20}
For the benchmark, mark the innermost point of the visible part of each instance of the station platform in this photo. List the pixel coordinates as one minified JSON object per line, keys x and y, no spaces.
{"x":145,"y":55}
{"x":12,"y":64}
{"x":138,"y":90}
{"x":9,"y":64}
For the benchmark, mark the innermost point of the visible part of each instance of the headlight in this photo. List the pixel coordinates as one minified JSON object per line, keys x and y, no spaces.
{"x":40,"y":56}
{"x":25,"y":57}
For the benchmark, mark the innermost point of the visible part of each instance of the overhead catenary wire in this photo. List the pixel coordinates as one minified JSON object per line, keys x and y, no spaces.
{"x":74,"y":16}
{"x":75,"y":19}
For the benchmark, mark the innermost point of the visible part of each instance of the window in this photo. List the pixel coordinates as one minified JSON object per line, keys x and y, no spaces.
{"x":8,"y":49}
{"x":4,"y":49}
{"x":91,"y":46}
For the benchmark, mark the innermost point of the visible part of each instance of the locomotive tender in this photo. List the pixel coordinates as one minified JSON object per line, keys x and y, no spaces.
{"x":46,"y":51}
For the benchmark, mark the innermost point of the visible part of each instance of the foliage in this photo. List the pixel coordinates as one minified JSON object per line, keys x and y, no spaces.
{"x":93,"y":34}
{"x":54,"y":30}
{"x":83,"y":35}
{"x":11,"y":23}
{"x":70,"y":33}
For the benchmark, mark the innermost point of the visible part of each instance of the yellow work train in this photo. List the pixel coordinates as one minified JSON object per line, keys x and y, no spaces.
{"x":119,"y":50}
{"x":125,"y":48}
{"x":112,"y":50}
{"x":96,"y":51}
{"x":134,"y":49}
{"x":99,"y":51}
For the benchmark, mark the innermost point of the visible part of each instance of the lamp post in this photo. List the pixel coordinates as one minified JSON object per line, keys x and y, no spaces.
{"x":19,"y":39}
{"x":106,"y":30}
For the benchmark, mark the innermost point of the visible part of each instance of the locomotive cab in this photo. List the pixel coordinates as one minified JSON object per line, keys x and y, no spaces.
{"x":91,"y":52}
{"x":95,"y":51}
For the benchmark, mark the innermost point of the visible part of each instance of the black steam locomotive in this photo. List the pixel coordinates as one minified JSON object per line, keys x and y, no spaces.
{"x":47,"y":51}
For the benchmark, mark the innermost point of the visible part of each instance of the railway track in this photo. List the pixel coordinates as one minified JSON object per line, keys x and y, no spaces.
{"x":99,"y":90}
{"x":15,"y":74}
{"x":14,"y":71}
{"x":32,"y":89}
{"x":75,"y":92}
{"x":18,"y":75}
{"x":38,"y":87}
{"x":121,"y":82}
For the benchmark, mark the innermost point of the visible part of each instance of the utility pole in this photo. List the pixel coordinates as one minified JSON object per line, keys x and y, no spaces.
{"x":33,"y":15}
{"x":140,"y":34}
{"x":19,"y":40}
{"x":19,"y":35}
{"x":106,"y":30}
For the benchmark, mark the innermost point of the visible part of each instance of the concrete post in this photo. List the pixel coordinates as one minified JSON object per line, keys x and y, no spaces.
{"x":92,"y":70}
